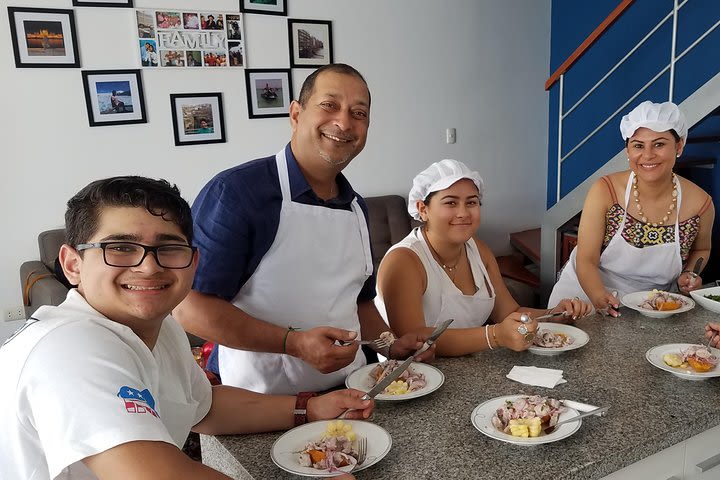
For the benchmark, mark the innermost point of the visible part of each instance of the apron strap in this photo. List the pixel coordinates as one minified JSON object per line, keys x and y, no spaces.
{"x":283,"y":177}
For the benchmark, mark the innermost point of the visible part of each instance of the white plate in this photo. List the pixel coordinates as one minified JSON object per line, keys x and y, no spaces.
{"x":361,"y":380}
{"x":699,"y":296}
{"x":285,"y":450}
{"x":579,"y":336}
{"x":655,"y":356}
{"x":483,"y":413}
{"x":633,"y":300}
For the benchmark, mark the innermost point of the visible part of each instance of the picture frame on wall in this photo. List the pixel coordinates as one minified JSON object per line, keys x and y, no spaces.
{"x":265,"y":7}
{"x":197,"y":118}
{"x":310,"y":43}
{"x":103,"y":3}
{"x":114,"y":97}
{"x":269,"y":92}
{"x":44,"y":37}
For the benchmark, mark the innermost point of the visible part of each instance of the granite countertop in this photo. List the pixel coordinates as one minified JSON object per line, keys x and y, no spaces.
{"x":433,"y":436}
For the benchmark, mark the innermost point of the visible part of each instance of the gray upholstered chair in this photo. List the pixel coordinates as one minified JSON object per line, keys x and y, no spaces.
{"x":37,"y":278}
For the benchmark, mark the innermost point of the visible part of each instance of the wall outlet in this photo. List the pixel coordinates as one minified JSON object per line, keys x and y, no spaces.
{"x":14,"y":313}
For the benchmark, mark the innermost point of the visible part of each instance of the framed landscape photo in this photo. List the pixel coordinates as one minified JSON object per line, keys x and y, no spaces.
{"x":266,"y":7}
{"x":43,"y":37}
{"x":114,"y":97}
{"x":269,"y":92}
{"x":103,"y":3}
{"x":197,"y":118}
{"x":310,"y":43}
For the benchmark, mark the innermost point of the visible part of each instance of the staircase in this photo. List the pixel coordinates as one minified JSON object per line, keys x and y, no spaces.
{"x":600,"y":82}
{"x":523,"y":265}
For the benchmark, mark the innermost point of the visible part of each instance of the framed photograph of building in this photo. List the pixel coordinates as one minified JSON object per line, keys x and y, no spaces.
{"x":43,"y":37}
{"x":266,"y":7}
{"x":103,"y":3}
{"x":197,"y":118}
{"x":310,"y":43}
{"x":114,"y":97}
{"x":269,"y":92}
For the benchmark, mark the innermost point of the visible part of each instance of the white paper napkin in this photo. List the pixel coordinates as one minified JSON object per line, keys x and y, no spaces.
{"x":540,"y":377}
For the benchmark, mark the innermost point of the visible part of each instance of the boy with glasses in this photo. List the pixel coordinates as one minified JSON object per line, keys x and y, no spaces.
{"x":104,"y":385}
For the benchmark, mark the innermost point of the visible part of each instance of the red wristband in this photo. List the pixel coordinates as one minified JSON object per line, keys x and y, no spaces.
{"x":300,"y":411}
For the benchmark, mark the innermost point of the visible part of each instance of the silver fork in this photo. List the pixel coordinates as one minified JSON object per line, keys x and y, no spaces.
{"x":378,"y":343}
{"x":362,"y":450}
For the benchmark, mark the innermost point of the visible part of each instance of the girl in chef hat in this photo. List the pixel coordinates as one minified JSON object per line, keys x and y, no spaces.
{"x":440,"y":271}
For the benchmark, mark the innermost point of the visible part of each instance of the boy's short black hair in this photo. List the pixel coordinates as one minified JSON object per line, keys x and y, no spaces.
{"x":158,"y":197}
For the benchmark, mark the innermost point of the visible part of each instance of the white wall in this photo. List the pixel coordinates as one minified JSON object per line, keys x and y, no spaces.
{"x":476,"y":65}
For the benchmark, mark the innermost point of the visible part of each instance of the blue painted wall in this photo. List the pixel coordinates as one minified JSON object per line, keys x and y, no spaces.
{"x":572,"y":22}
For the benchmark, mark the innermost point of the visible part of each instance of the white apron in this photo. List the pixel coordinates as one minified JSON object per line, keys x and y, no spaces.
{"x":624,"y":267}
{"x":442,"y":299}
{"x":310,"y":277}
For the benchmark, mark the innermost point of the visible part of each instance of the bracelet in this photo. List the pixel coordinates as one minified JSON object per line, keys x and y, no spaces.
{"x":300,"y":412}
{"x":290,"y":329}
{"x":487,"y":337}
{"x":494,"y":337}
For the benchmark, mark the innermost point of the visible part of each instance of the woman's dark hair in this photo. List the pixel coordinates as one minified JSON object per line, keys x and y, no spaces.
{"x":672,"y":131}
{"x":158,"y":197}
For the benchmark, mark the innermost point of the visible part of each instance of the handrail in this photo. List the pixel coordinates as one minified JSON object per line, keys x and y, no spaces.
{"x":594,"y":36}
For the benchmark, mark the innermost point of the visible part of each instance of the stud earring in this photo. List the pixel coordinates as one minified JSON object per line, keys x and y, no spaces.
{"x":677,"y":156}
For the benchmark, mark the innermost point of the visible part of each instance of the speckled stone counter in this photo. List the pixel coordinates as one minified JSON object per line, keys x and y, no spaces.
{"x":433,"y":436}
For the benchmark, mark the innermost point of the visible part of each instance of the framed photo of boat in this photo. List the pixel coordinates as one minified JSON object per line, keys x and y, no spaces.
{"x":197,"y":118}
{"x":310,"y":43}
{"x":114,"y":97}
{"x":269,"y":92}
{"x":265,"y":7}
{"x":43,"y":37}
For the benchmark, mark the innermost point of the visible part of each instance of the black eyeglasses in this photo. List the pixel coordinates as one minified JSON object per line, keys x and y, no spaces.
{"x":131,"y":254}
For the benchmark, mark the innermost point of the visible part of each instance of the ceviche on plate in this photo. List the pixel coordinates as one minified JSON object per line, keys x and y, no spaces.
{"x":520,"y":419}
{"x":686,"y":360}
{"x":418,"y":380}
{"x":328,"y":448}
{"x":555,"y":338}
{"x":657,"y":303}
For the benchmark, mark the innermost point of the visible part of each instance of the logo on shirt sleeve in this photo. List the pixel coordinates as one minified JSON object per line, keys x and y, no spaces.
{"x":137,"y":401}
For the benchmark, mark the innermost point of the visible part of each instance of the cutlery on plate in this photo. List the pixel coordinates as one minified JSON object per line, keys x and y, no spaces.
{"x":392,"y":376}
{"x":579,"y":406}
{"x":597,"y":411}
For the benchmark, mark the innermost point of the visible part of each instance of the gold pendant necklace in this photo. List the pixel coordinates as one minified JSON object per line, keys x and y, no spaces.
{"x":450,"y":269}
{"x":673,"y":202}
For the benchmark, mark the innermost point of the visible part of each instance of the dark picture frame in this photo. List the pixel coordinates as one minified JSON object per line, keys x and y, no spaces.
{"x":310,"y":41}
{"x":44,"y":37}
{"x":114,"y":97}
{"x":269,"y":92}
{"x":197,"y":118}
{"x":100,"y":3}
{"x":278,"y":8}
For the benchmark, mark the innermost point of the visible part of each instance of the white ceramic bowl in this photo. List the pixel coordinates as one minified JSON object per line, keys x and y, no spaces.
{"x":699,"y":297}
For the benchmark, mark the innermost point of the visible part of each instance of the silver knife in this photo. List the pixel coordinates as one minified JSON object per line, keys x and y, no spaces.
{"x":439,"y":329}
{"x":696,"y":269}
{"x":390,"y":377}
{"x":549,"y":315}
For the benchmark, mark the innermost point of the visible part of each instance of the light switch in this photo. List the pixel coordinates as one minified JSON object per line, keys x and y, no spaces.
{"x":450,"y":136}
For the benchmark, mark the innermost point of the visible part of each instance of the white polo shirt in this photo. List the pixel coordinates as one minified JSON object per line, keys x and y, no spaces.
{"x":75,"y":384}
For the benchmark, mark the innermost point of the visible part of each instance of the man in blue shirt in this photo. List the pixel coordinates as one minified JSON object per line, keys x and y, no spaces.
{"x":285,"y":268}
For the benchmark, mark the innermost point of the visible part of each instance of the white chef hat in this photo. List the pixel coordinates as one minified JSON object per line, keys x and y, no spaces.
{"x":439,"y":176}
{"x":659,"y":117}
